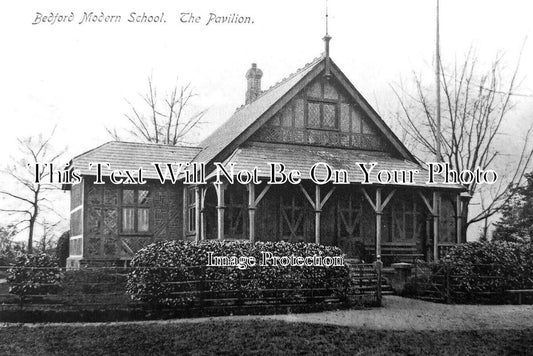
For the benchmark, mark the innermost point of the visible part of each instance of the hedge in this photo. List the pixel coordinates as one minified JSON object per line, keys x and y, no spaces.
{"x":175,"y":273}
{"x":477,"y":272}
{"x":510,"y":263}
{"x":34,"y":274}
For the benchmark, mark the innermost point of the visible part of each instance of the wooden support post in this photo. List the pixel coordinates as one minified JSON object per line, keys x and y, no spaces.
{"x":202,"y":213}
{"x":427,"y":248}
{"x":379,"y":212}
{"x":318,"y":211}
{"x":197,"y":210}
{"x":379,"y":268}
{"x":436,"y":213}
{"x":378,"y":207}
{"x":458,"y":218}
{"x":252,"y":206}
{"x":434,"y":210}
{"x":220,"y":188}
{"x":251,"y":211}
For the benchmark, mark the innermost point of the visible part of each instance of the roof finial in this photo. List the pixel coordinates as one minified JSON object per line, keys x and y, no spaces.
{"x":326,"y":17}
{"x":326,"y":39}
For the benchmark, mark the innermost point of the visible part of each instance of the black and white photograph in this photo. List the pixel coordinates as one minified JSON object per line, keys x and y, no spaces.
{"x":320,"y":177}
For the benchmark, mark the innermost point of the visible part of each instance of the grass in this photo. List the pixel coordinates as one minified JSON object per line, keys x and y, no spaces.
{"x":255,"y":338}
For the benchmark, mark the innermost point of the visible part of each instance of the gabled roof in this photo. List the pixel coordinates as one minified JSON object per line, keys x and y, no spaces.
{"x":228,"y":143}
{"x":132,"y":156}
{"x":249,"y":118}
{"x":372,"y":114}
{"x":302,"y":158}
{"x":239,"y":124}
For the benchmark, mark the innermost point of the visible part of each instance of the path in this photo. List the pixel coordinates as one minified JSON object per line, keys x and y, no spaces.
{"x":397,"y":313}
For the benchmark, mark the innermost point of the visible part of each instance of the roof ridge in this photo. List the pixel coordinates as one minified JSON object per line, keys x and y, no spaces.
{"x":152,"y":144}
{"x":284,"y":80}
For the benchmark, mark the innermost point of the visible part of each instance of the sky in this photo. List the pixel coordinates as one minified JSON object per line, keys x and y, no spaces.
{"x":80,"y":77}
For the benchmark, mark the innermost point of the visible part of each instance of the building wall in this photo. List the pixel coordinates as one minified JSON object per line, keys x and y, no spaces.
{"x":104,"y":238}
{"x":284,"y":214}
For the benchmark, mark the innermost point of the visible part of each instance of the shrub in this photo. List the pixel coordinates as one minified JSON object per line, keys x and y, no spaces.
{"x":480,"y":271}
{"x":62,"y":248}
{"x":34,"y":275}
{"x":172,"y":273}
{"x":511,"y":265}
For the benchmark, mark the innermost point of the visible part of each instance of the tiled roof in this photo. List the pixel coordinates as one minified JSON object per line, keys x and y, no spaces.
{"x":302,"y":158}
{"x":227,"y":137}
{"x":132,"y":156}
{"x":248,"y":114}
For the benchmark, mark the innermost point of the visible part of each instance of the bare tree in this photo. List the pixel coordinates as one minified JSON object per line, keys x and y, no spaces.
{"x":48,"y":237}
{"x":166,"y":120}
{"x":7,"y":233}
{"x":476,"y":105}
{"x":25,"y":200}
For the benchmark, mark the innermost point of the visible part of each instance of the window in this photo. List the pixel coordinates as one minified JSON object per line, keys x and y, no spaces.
{"x":322,"y":115}
{"x":191,"y":209}
{"x":404,"y":217}
{"x":135,"y":210}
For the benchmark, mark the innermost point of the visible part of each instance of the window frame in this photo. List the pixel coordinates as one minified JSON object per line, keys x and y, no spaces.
{"x":321,"y":102}
{"x":136,"y":208}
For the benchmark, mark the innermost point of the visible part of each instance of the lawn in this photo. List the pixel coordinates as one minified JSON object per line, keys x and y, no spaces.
{"x":257,"y":337}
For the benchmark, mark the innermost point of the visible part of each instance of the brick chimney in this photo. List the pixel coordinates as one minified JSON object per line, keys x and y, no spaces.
{"x":253,"y":78}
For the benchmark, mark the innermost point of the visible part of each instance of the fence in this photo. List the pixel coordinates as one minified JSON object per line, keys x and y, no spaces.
{"x":104,"y":288}
{"x":449,"y":283}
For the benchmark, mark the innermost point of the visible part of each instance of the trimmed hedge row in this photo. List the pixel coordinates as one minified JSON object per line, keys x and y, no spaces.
{"x":478,"y":272}
{"x":510,"y":263}
{"x":176,"y":273}
{"x":31,"y":274}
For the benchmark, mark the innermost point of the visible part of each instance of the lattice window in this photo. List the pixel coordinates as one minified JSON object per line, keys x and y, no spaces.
{"x":135,"y":211}
{"x":313,"y":115}
{"x":330,"y":117}
{"x":322,"y":115}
